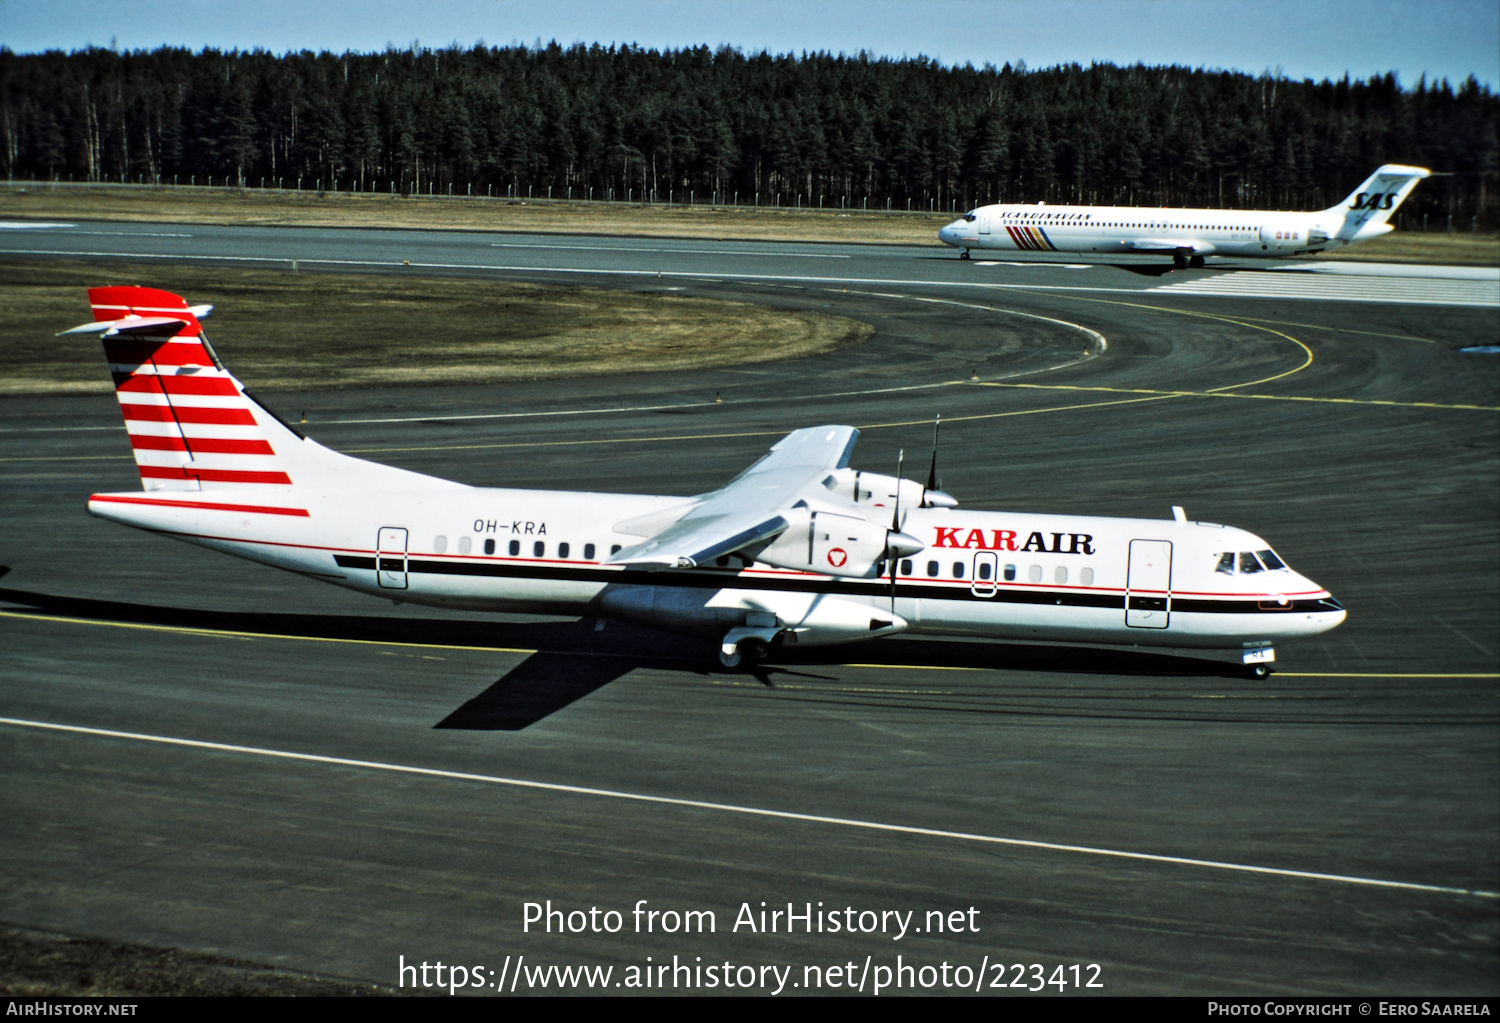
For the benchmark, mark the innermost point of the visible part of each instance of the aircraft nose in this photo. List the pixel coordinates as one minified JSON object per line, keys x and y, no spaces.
{"x":949,"y":234}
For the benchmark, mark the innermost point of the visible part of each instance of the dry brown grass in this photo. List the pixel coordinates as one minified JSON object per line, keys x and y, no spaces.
{"x":1431,"y":248}
{"x":278,"y":330}
{"x":307,"y":209}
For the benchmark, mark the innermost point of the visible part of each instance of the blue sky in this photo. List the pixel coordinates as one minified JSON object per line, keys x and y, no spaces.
{"x":1304,"y":38}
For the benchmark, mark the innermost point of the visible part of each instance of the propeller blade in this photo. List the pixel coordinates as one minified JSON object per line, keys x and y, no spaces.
{"x":890,"y":552}
{"x":932,"y":476}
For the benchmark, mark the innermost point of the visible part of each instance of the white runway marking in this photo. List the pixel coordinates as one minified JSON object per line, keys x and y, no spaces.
{"x":697,"y":804}
{"x":1342,"y":287}
{"x":27,"y":225}
{"x":690,"y":252}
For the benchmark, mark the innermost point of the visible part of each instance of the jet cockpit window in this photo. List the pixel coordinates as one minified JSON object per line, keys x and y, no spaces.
{"x":970,"y":217}
{"x":1270,"y":560}
{"x":1226,"y":563}
{"x":1248,"y":564}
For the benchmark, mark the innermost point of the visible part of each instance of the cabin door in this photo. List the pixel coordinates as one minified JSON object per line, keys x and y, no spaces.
{"x":984,"y":221}
{"x":390,"y":558}
{"x":1148,"y":586}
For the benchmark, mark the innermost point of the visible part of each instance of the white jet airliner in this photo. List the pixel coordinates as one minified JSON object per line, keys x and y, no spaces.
{"x":1187,"y":235}
{"x":797,"y":549}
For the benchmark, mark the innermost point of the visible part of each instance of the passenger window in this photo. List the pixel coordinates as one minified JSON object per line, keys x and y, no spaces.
{"x":515,"y":547}
{"x":614,"y":549}
{"x":489,"y":547}
{"x":538,"y":549}
{"x":933,"y":568}
{"x":440,"y":544}
{"x":1010,"y":573}
{"x":958,"y":570}
{"x":1270,"y":560}
{"x":984,"y":570}
{"x":1248,"y":564}
{"x":1061,"y":574}
{"x":563,"y":549}
{"x":1086,"y":577}
{"x":1034,"y":573}
{"x":906,"y":568}
{"x":1226,"y":563}
{"x":588,"y":552}
{"x":465,"y":544}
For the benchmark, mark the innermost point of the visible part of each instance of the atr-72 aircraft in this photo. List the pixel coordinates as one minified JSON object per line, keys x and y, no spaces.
{"x":1187,"y":235}
{"x":798,"y":549}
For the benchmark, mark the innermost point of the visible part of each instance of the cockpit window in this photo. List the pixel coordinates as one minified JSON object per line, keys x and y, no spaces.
{"x":969,"y":218}
{"x":1270,"y":560}
{"x":1226,"y":563}
{"x":1248,"y":564}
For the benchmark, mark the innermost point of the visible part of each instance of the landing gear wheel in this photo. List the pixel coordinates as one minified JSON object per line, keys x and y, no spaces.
{"x":1259,"y":672}
{"x":1195,"y":263}
{"x":964,"y":254}
{"x":1179,"y":262}
{"x":746,"y":655}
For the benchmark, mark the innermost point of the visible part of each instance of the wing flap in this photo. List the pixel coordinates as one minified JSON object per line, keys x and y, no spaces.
{"x":695,"y":541}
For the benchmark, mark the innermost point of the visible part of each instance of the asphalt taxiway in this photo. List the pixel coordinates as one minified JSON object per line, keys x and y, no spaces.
{"x":202,"y":752}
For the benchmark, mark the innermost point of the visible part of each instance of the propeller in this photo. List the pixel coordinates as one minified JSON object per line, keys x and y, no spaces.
{"x":932,"y":495}
{"x":892,"y":555}
{"x":932,"y":476}
{"x":898,"y":544}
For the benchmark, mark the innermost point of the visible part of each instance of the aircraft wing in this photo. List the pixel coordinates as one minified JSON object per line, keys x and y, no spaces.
{"x":748,"y":511}
{"x":1194,"y":246}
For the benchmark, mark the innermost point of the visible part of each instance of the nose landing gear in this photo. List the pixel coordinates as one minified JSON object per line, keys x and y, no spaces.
{"x":964,"y":254}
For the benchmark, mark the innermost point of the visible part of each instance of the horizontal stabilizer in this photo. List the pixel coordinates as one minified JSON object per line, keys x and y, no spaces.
{"x":150,"y":326}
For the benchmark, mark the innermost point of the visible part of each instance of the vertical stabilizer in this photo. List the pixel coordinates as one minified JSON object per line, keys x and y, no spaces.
{"x":1365,"y":212}
{"x":191,"y":425}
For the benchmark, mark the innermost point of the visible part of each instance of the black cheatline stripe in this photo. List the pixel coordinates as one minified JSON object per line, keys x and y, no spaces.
{"x":708,"y":579}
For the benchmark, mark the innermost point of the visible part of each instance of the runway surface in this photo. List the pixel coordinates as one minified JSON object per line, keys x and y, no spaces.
{"x":248,"y":761}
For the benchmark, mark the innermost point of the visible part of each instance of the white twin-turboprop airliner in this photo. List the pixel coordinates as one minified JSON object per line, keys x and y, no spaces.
{"x":1187,"y":235}
{"x":798,"y":549}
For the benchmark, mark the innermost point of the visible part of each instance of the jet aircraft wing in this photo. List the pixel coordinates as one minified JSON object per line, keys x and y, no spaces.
{"x":748,"y":510}
{"x":1190,"y":245}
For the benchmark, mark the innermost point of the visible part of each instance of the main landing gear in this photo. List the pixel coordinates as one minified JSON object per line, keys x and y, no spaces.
{"x":1183,"y":261}
{"x":746,"y":645}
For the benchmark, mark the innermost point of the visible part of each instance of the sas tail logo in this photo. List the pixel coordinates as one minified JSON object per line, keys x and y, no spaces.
{"x":1373,"y":201}
{"x":1033,"y":239}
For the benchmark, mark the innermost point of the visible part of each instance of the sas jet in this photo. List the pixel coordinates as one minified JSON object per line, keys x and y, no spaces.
{"x":1187,"y":235}
{"x":800,"y":549}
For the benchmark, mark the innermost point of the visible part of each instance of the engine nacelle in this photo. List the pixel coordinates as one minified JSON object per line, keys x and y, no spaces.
{"x":875,"y":489}
{"x":830,"y":544}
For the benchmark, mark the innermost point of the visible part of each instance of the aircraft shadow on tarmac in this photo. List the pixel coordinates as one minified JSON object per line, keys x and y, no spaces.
{"x":572,"y":659}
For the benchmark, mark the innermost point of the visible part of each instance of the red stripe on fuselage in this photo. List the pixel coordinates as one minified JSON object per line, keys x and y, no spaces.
{"x":202,"y":445}
{"x":187,"y":414}
{"x":156,"y":384}
{"x":206,"y":505}
{"x":177,"y":472}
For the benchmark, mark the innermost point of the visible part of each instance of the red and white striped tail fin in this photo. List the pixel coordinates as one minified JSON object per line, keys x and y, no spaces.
{"x":191,"y":425}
